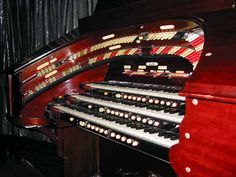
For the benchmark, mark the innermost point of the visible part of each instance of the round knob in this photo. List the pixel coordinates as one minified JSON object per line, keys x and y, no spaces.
{"x":144,"y":120}
{"x":113,"y":134}
{"x":101,"y":109}
{"x":118,"y":136}
{"x":129,"y":141}
{"x":121,"y":114}
{"x":123,"y":138}
{"x":133,"y":117}
{"x":156,"y":101}
{"x":168,"y":103}
{"x":135,"y":143}
{"x":82,"y":123}
{"x":162,"y":102}
{"x":156,"y":124}
{"x":125,"y":96}
{"x":139,"y":118}
{"x":139,"y":98}
{"x":150,"y":122}
{"x":150,"y":100}
{"x":174,"y":105}
{"x":187,"y":135}
{"x":105,"y":132}
{"x":118,"y":95}
{"x":144,"y":99}
{"x":188,"y":170}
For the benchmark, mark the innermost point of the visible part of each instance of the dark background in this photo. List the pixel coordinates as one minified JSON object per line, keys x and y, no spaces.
{"x":29,"y":25}
{"x":25,"y":27}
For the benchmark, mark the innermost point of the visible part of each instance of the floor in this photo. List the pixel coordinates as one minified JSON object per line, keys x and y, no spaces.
{"x":26,"y":157}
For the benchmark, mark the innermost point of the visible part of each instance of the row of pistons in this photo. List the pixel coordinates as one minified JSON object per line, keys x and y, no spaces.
{"x":125,"y":115}
{"x":109,"y":133}
{"x":145,"y":99}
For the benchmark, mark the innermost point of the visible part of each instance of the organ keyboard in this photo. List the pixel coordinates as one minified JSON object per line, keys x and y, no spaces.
{"x":156,"y":86}
{"x":120,"y":118}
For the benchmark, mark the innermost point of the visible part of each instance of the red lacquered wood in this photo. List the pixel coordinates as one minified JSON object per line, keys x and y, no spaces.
{"x":211,"y":149}
{"x":59,"y":55}
{"x":215,"y":74}
{"x":30,"y":122}
{"x":36,"y":107}
{"x":148,"y":10}
{"x":207,"y":146}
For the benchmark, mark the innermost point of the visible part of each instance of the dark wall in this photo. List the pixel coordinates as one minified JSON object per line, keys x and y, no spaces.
{"x":28,"y":25}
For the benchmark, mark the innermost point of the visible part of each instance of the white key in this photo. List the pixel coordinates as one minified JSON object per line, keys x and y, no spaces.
{"x":140,"y":134}
{"x":138,"y":91}
{"x":137,"y":110}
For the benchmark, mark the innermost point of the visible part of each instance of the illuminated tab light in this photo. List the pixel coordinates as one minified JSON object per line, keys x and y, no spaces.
{"x":160,"y":71}
{"x":92,"y":60}
{"x":114,"y":47}
{"x":53,"y":60}
{"x":42,"y":65}
{"x":51,"y":73}
{"x":151,"y":63}
{"x":179,"y":72}
{"x":108,"y":36}
{"x":107,"y":55}
{"x":167,"y":27}
{"x":132,"y":51}
{"x":186,"y":52}
{"x":142,"y":67}
{"x":199,"y":47}
{"x":173,"y":50}
{"x":121,"y":52}
{"x":127,"y":67}
{"x":162,"y":67}
{"x":160,"y":50}
{"x":140,"y":70}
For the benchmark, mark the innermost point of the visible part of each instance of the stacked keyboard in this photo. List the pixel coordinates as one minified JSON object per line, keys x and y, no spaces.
{"x":145,"y":117}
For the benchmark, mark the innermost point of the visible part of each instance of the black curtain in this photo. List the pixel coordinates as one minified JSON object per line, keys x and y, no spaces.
{"x":25,"y":27}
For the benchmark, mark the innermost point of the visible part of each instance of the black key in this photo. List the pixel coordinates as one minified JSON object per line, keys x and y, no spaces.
{"x":175,"y":130}
{"x":173,"y":110}
{"x":181,"y":112}
{"x":174,"y":137}
{"x":147,"y":129}
{"x":159,"y":108}
{"x":167,"y":126}
{"x":167,"y":110}
{"x":181,"y":106}
{"x":162,"y":133}
{"x":154,"y":130}
{"x":130,"y":124}
{"x":168,"y":135}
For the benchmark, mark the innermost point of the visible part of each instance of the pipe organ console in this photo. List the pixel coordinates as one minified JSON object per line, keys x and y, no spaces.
{"x":163,"y":89}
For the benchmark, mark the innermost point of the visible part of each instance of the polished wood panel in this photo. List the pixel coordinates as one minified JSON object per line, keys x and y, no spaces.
{"x":79,"y":150}
{"x":214,"y":77}
{"x":207,"y":140}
